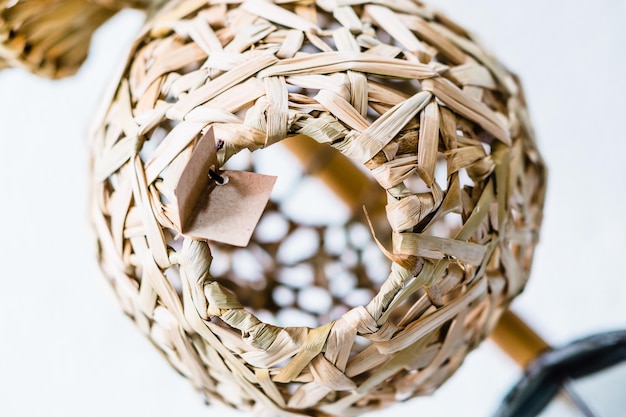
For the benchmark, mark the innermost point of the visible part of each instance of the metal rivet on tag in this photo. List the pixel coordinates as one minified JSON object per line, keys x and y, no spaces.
{"x":219,"y":179}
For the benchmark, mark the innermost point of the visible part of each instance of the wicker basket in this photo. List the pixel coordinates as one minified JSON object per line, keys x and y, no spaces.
{"x":394,"y":86}
{"x":51,"y":37}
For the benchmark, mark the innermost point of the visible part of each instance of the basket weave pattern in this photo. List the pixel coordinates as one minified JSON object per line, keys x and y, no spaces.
{"x":51,"y":37}
{"x":397,"y":87}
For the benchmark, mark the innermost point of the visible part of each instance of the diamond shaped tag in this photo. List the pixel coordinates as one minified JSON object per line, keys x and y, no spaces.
{"x":230,"y":212}
{"x":227,"y":212}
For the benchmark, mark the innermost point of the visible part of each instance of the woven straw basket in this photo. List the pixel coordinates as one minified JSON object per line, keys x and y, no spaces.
{"x":51,"y":37}
{"x":403,"y":93}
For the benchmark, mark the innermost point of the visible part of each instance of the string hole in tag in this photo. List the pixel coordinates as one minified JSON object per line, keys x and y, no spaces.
{"x":219,"y":179}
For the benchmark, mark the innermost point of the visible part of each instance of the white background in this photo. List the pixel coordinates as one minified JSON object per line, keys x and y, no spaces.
{"x":66,"y":349}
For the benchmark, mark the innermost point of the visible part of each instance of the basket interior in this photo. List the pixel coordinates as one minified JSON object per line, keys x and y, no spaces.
{"x":312,"y":257}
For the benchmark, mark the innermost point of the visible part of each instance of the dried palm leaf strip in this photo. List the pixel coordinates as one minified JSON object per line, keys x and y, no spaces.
{"x":331,"y":62}
{"x":362,"y":146}
{"x":51,"y":37}
{"x":474,"y":110}
{"x":221,"y":84}
{"x":279,"y":15}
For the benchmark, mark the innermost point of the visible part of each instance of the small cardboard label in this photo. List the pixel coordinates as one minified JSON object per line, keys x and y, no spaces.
{"x":230,"y":212}
{"x":226,"y":213}
{"x":194,"y":181}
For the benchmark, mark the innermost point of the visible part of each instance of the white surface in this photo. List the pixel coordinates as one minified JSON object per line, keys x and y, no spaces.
{"x":65,"y":348}
{"x":603,"y":392}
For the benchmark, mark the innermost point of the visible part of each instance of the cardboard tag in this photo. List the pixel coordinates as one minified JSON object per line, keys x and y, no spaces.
{"x":226,"y":213}
{"x":230,"y":212}
{"x":194,"y":181}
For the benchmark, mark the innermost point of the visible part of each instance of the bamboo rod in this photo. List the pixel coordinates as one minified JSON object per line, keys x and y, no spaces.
{"x":518,"y":340}
{"x":339,"y":174}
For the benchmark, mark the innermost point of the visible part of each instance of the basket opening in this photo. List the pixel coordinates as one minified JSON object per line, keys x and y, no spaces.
{"x":312,"y":256}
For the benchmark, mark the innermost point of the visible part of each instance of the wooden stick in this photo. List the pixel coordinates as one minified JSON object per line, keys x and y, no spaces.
{"x":348,"y":182}
{"x":517,"y":339}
